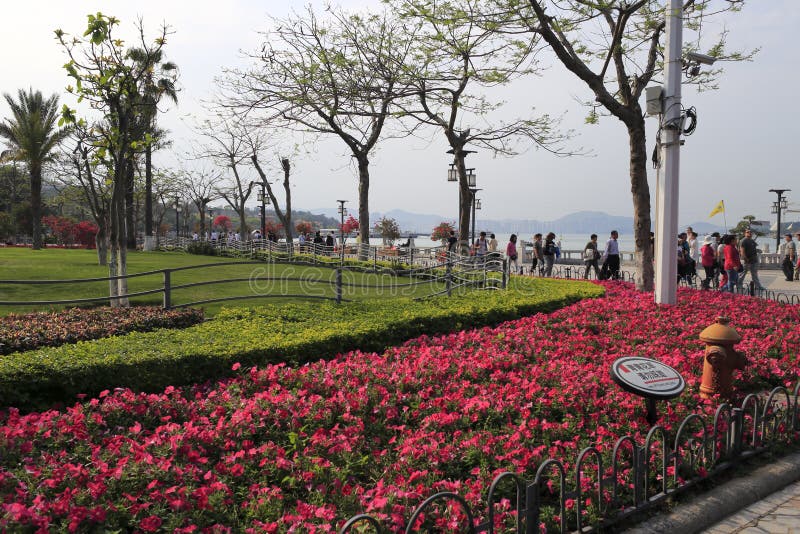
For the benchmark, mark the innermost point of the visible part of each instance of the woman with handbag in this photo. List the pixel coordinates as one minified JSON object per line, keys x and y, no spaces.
{"x":512,"y":255}
{"x":733,"y":265}
{"x":590,"y":257}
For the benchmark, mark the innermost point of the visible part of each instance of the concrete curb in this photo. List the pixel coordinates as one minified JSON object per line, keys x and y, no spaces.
{"x":724,"y":500}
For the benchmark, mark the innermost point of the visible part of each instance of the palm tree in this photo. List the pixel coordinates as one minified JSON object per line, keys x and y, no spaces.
{"x":31,"y":133}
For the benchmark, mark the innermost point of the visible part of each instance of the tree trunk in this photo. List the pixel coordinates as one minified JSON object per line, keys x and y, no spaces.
{"x":641,"y":203}
{"x":363,"y":204}
{"x":113,"y":263}
{"x":243,"y":228}
{"x":287,"y":215}
{"x":122,"y":250}
{"x":148,"y":190}
{"x":464,"y":204}
{"x":36,"y":206}
{"x":202,"y":212}
{"x":101,"y":242}
{"x":129,"y":220}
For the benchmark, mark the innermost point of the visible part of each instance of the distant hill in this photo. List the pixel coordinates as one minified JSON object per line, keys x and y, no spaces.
{"x":581,"y":222}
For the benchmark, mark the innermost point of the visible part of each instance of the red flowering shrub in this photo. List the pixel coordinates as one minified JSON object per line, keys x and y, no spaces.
{"x":85,"y":232}
{"x":350,"y":225}
{"x":61,"y":227}
{"x":51,"y":329}
{"x":223,"y":221}
{"x":300,"y":450}
{"x":271,"y":226}
{"x":442,"y":231}
{"x":304,"y":227}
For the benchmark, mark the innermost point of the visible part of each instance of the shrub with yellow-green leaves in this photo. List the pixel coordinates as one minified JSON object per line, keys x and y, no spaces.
{"x":292,"y":333}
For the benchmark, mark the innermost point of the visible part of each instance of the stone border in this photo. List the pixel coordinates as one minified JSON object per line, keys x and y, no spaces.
{"x":725,"y":500}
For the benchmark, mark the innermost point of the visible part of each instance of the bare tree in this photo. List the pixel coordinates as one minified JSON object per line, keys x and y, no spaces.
{"x":257,"y":143}
{"x":200,"y":186}
{"x":226,"y":144}
{"x":457,"y":56}
{"x":167,"y":186}
{"x":81,"y":165}
{"x":338,"y":76}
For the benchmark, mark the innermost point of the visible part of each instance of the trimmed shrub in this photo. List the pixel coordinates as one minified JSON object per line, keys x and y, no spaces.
{"x":294,"y":333}
{"x":203,"y":248}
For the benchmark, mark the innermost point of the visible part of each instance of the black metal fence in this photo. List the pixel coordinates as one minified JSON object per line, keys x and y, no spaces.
{"x":634,"y":477}
{"x":448,"y":277}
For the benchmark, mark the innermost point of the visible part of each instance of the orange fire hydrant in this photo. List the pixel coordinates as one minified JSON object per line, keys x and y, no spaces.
{"x":720,"y":358}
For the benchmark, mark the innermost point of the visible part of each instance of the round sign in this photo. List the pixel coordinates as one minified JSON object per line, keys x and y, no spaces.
{"x":647,"y":377}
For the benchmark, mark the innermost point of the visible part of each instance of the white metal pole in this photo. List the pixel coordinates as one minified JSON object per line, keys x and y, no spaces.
{"x":668,"y":175}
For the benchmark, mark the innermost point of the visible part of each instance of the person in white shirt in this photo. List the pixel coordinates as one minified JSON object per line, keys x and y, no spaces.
{"x":694,"y":247}
{"x":789,"y":257}
{"x":611,"y":255}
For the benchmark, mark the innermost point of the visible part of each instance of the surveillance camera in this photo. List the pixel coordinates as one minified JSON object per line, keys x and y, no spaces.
{"x":701,"y":58}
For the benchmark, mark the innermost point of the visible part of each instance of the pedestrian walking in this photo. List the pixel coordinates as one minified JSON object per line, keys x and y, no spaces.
{"x":590,"y":257}
{"x":748,"y":252}
{"x":797,"y":265}
{"x":537,"y":256}
{"x":611,"y":256}
{"x":549,"y":253}
{"x":708,"y":259}
{"x":512,"y":255}
{"x":694,"y":247}
{"x":789,"y":257}
{"x":492,"y":243}
{"x":723,"y":275}
{"x":452,"y":241}
{"x":733,"y":264}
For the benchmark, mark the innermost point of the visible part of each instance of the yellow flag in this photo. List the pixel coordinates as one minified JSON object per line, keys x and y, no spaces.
{"x":720,"y":208}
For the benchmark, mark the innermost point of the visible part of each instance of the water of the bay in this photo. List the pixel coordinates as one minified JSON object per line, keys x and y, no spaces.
{"x":568,"y":241}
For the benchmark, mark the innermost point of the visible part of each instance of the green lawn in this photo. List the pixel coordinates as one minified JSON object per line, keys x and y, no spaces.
{"x":258,"y":279}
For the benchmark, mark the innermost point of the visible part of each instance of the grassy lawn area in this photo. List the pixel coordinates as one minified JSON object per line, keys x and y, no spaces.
{"x":256,"y":280}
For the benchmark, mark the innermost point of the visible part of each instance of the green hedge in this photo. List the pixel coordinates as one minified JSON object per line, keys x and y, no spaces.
{"x":293,"y":333}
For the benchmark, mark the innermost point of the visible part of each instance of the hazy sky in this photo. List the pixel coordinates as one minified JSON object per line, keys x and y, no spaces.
{"x":743,"y":146}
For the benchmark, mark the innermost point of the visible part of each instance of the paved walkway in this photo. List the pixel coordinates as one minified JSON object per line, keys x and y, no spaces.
{"x":774,"y":280}
{"x":778,"y":513}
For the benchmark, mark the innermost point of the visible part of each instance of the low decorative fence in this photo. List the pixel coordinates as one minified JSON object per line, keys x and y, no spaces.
{"x":314,"y":252}
{"x":634,"y":477}
{"x":447,"y":277}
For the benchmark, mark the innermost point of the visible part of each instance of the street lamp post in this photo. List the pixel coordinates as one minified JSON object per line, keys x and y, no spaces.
{"x":342,"y":213}
{"x":453,"y":176}
{"x":177,"y":218}
{"x":671,"y":115}
{"x":263,"y":206}
{"x":473,"y":190}
{"x":777,"y":207}
{"x":210,"y":220}
{"x":666,"y":228}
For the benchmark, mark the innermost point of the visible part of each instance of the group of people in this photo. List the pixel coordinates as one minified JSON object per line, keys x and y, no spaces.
{"x":304,"y":239}
{"x":546,"y":250}
{"x":725,"y":259}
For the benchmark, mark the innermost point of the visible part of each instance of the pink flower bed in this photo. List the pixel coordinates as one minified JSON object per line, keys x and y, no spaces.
{"x":301,"y":450}
{"x":30,"y":331}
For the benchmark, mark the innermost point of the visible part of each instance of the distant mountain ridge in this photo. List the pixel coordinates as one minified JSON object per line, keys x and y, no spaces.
{"x":581,"y":222}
